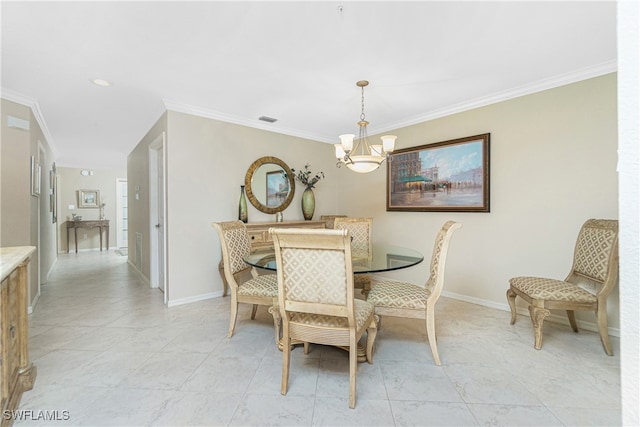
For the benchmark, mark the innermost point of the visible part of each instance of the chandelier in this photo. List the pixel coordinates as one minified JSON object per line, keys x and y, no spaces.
{"x":363,"y":157}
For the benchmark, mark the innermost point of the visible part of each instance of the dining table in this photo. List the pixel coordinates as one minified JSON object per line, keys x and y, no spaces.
{"x":382,"y":258}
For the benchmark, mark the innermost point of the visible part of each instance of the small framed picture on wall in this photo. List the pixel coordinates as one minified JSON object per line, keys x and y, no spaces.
{"x":88,"y":198}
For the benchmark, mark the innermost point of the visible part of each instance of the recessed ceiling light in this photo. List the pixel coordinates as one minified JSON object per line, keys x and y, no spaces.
{"x":101,"y":82}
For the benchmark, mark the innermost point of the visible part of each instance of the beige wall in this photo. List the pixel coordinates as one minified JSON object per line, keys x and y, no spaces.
{"x":553,"y":160}
{"x":26,"y":220}
{"x":553,"y":165}
{"x":138,"y":177}
{"x":16,"y":179}
{"x":69,"y":182}
{"x":207,"y":163}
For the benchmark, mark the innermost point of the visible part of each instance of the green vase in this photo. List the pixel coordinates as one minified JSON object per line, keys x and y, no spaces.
{"x":242,"y":206}
{"x":308,"y":204}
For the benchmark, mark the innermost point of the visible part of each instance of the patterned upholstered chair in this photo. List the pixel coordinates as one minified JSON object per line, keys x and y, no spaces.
{"x":330,"y":220}
{"x":593,"y":276}
{"x":258,"y":290}
{"x":400,"y":299}
{"x":360,"y":230}
{"x":315,"y":293}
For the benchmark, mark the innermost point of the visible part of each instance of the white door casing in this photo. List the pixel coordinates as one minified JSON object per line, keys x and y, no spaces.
{"x":157,"y":214}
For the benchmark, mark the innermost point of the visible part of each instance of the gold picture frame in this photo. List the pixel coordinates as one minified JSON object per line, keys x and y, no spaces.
{"x":448,"y":176}
{"x":88,"y":198}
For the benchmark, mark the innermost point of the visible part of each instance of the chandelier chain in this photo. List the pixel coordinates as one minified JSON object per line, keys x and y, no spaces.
{"x":362,"y":103}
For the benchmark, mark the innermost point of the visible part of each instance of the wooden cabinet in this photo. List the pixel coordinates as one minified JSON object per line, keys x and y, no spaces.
{"x":17,"y":372}
{"x":259,"y":231}
{"x":259,"y":237}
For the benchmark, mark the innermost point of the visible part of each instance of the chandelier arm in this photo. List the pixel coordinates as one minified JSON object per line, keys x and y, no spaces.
{"x":362,"y":156}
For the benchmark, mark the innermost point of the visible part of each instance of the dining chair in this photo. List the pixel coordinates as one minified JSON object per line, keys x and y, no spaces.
{"x":360,"y":229}
{"x":315,"y":295}
{"x":593,"y":276}
{"x":401,"y":299}
{"x":330,"y":220}
{"x":258,"y":289}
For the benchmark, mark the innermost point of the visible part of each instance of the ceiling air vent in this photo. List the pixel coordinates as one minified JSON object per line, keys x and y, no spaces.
{"x":267,"y":119}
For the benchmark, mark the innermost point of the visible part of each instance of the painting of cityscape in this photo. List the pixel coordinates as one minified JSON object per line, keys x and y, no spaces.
{"x":277,"y":188}
{"x":449,"y":176}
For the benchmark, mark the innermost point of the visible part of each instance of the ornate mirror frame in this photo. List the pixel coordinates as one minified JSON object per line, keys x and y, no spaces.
{"x":252,"y":197}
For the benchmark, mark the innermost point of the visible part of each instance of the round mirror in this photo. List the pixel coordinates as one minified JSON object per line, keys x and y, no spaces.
{"x":269,"y":184}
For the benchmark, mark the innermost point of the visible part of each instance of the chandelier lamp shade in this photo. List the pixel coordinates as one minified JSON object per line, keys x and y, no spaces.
{"x":359,"y":155}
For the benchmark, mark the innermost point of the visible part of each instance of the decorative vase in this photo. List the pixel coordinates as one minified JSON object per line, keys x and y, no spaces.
{"x":308,"y":204}
{"x":242,"y":206}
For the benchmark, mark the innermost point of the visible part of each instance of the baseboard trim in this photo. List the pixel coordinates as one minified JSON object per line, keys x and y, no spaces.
{"x":33,"y":303}
{"x":196,"y":298}
{"x":142,"y":276}
{"x":53,"y":264}
{"x":556,"y":318}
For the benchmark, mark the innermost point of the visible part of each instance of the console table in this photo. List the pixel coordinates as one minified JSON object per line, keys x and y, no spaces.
{"x":100,"y":223}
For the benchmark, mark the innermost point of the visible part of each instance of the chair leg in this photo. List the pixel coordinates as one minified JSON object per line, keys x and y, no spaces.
{"x":601,"y":316}
{"x":253,"y":311}
{"x":353,"y":369}
{"x":277,"y":321}
{"x":372,"y":331}
{"x":572,"y":320}
{"x":286,"y":362}
{"x":511,"y":298}
{"x":537,"y":318}
{"x":306,"y":347}
{"x":234,"y":315}
{"x":431,"y":333}
{"x":366,"y":289}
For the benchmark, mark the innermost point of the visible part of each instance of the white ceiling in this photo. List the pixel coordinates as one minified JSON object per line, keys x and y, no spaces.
{"x":294,"y":61}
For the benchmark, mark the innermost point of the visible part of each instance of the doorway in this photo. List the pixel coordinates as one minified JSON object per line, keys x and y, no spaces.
{"x":157,"y":214}
{"x":122,"y":214}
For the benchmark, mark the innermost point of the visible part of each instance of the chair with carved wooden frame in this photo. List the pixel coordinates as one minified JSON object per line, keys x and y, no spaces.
{"x":360,"y":229}
{"x":315,"y":294}
{"x":401,"y":299}
{"x":259,"y":289}
{"x":330,"y":220}
{"x":593,"y":276}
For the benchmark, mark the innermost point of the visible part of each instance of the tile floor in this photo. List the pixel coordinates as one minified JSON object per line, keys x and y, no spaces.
{"x":108,"y":352}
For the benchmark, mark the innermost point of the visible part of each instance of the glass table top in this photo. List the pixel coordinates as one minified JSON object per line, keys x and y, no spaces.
{"x":383,"y":258}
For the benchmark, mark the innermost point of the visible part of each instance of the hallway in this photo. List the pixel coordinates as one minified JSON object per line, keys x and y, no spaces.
{"x":108,"y":352}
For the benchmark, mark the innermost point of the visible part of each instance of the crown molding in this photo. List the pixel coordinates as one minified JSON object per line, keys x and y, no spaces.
{"x":32,"y":103}
{"x":528,"y":89}
{"x":224,"y":117}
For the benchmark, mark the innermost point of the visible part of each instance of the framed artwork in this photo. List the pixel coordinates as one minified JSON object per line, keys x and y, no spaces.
{"x":448,"y":176}
{"x":36,"y":177}
{"x":277,"y":188}
{"x":88,"y":198}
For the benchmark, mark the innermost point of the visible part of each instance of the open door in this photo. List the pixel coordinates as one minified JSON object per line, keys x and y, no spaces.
{"x":122,"y":214}
{"x":157,"y":214}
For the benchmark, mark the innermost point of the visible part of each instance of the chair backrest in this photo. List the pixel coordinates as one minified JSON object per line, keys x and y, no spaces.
{"x":329,"y":220}
{"x":360,"y":229}
{"x":439,"y":257}
{"x":595,"y":258}
{"x":235,"y":244}
{"x":314,"y":271}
